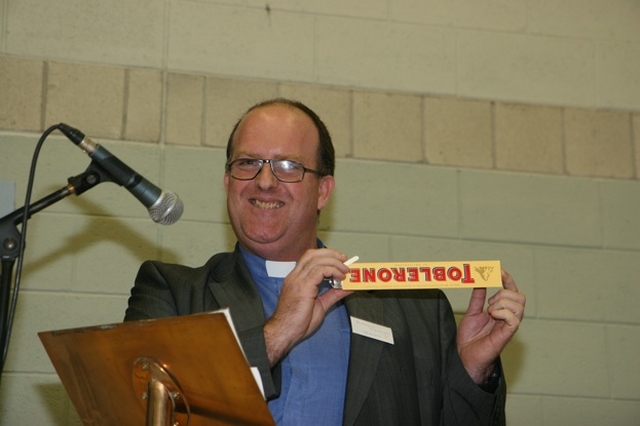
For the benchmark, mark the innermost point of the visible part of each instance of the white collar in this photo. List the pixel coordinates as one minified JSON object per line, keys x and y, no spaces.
{"x":279,"y":269}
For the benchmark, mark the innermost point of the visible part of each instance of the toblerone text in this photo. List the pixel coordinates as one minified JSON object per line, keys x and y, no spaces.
{"x":421,"y":275}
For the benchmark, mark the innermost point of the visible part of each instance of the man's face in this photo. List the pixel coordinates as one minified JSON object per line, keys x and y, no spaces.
{"x":272,"y":219}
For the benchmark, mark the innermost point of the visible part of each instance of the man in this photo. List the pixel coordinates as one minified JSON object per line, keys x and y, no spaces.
{"x":296,"y":329}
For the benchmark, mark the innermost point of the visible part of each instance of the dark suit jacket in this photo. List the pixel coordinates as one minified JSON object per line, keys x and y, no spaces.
{"x":419,"y":380}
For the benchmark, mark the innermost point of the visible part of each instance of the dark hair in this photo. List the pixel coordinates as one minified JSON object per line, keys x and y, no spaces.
{"x":326,"y":154}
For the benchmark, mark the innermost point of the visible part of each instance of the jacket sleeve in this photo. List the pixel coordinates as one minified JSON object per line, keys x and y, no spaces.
{"x":464,"y":402}
{"x":151,"y":296}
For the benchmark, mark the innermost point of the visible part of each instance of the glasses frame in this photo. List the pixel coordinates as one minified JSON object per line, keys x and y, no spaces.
{"x":270,"y":162}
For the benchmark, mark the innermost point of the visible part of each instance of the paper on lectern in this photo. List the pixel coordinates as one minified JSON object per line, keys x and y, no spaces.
{"x":254,"y":370}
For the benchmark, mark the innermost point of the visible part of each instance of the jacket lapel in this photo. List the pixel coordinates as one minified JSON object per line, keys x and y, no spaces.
{"x":231,"y":286}
{"x":364,"y":353}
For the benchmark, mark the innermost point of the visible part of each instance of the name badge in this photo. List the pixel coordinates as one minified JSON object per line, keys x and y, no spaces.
{"x":372,"y":330}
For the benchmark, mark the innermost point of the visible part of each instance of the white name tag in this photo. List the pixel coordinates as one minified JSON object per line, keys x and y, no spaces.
{"x":371,"y":330}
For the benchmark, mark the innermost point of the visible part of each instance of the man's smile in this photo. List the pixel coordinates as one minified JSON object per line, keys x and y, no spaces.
{"x":266,"y":205}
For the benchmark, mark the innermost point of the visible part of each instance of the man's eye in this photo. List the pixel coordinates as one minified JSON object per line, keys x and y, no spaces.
{"x":246,"y":162}
{"x":288,"y":165}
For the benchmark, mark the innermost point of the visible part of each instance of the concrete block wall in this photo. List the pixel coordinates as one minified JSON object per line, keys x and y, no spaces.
{"x":502,"y":130}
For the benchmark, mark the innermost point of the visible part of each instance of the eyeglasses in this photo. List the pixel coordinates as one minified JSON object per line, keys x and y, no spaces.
{"x":287,"y":171}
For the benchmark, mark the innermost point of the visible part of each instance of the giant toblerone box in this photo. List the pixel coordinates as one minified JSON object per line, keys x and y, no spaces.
{"x":422,"y":275}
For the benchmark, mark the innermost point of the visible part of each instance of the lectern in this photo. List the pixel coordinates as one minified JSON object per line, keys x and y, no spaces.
{"x":177,"y":371}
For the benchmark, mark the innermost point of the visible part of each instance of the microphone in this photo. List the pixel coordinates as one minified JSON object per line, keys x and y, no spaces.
{"x":164,"y":208}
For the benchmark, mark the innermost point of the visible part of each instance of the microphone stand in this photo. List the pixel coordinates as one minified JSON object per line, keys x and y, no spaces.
{"x":10,"y":238}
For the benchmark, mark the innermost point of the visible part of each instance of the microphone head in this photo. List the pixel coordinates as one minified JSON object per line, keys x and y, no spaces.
{"x":167,"y":209}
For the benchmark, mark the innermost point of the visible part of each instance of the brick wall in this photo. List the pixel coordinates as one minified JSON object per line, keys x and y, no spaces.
{"x":198,"y":110}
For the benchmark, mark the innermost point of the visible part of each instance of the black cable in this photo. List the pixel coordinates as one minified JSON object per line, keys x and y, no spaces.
{"x":23,"y":237}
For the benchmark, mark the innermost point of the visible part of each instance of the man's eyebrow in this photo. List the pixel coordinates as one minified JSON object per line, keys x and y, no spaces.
{"x":277,"y":157}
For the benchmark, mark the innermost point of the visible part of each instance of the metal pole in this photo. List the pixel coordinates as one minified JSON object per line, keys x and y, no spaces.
{"x":158,"y":412}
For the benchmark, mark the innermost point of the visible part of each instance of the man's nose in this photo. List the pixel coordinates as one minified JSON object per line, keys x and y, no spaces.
{"x":266,"y":178}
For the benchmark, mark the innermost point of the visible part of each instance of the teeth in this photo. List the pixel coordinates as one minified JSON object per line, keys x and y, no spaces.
{"x":267,"y":206}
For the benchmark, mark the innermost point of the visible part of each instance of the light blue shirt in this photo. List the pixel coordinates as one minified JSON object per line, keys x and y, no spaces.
{"x":314,"y":373}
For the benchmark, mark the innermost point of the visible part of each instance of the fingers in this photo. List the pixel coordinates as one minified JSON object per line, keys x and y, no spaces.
{"x":478,"y":295}
{"x":503,"y":307}
{"x":301,"y":309}
{"x":300,"y":288}
{"x":331,"y":296}
{"x":322,"y":263}
{"x":507,"y":301}
{"x":476,"y":303}
{"x":508,"y":281}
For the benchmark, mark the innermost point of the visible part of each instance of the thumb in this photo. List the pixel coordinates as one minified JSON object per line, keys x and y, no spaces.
{"x":331,"y":296}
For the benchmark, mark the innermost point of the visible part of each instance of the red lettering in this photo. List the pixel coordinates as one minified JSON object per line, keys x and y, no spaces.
{"x":439,"y":274}
{"x":427,"y":272}
{"x":354,"y":275}
{"x":369,"y":275}
{"x":412,"y":274}
{"x":467,"y":279}
{"x":384,"y":274}
{"x":399,"y":274}
{"x":454,"y":273}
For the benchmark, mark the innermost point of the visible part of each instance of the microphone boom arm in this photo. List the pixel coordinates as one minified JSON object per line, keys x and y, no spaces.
{"x":76,"y":185}
{"x":10,"y":238}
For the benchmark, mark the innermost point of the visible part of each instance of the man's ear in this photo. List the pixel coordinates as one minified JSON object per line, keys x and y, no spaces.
{"x":225,"y":180}
{"x":325,"y":188}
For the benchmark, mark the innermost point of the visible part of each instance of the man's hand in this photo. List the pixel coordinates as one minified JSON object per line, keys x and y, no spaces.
{"x":483,"y":335}
{"x":300,"y":309}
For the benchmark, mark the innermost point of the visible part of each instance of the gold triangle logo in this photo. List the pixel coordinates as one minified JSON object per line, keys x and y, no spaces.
{"x":484,"y":271}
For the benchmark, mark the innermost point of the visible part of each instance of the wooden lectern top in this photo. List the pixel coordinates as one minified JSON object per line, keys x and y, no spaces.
{"x":102,"y":368}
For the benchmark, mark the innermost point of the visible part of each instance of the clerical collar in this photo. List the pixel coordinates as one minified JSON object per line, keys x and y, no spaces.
{"x":279,"y":269}
{"x":260,"y":267}
{"x":273,"y":269}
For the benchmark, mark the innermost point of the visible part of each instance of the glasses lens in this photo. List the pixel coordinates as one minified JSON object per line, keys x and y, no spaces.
{"x":288,"y":170}
{"x":284,"y":170}
{"x":245,"y":168}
